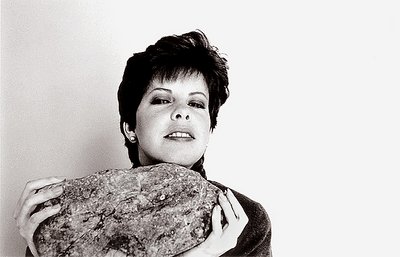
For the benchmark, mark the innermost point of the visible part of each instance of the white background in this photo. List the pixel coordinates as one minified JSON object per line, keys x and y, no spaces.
{"x":311,"y":129}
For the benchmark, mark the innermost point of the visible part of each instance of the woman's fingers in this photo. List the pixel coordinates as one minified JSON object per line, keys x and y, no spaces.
{"x":237,"y":208}
{"x":216,"y":220}
{"x":234,"y":213}
{"x":35,"y":199}
{"x":227,"y":208}
{"x":31,"y":187}
{"x":41,"y":197}
{"x":29,"y":199}
{"x":40,"y":216}
{"x":27,"y":227}
{"x":223,"y":239}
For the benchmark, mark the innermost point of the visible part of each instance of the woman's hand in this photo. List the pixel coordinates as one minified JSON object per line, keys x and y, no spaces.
{"x":222,"y":239}
{"x":27,"y":203}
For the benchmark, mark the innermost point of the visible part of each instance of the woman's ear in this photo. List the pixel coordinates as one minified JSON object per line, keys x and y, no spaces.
{"x":129,"y":133}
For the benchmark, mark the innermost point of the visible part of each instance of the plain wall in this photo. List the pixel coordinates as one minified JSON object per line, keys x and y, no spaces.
{"x":311,"y":129}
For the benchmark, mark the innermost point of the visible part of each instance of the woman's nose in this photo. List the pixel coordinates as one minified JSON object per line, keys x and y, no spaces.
{"x":179,"y":116}
{"x":180,"y":113}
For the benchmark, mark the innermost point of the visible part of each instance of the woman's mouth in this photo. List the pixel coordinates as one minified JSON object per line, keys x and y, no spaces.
{"x":179,"y":135}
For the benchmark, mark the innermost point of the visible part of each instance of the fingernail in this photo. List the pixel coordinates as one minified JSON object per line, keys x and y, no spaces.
{"x":221,"y":196}
{"x":58,"y":189}
{"x":55,"y":207}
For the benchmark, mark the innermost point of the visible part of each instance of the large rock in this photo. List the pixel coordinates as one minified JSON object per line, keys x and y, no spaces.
{"x":159,"y":210}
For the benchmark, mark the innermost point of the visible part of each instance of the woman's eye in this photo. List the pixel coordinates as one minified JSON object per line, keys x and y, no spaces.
{"x":197,"y":105}
{"x":160,"y":101}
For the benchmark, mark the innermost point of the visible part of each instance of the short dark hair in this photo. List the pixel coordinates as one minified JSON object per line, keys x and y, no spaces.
{"x":168,"y":59}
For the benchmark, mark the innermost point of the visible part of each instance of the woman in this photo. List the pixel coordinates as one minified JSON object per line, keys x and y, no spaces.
{"x":169,"y":100}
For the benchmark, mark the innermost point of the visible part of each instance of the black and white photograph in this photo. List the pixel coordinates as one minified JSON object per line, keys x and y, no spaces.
{"x":211,"y":128}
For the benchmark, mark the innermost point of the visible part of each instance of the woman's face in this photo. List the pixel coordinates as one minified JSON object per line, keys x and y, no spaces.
{"x":173,"y":121}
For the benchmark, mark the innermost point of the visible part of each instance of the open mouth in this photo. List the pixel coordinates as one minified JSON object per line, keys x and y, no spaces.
{"x":179,"y":135}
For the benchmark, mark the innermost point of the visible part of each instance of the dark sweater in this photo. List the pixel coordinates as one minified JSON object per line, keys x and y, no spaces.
{"x":255,"y":239}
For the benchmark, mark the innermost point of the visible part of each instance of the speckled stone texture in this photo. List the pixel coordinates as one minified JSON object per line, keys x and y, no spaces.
{"x":159,"y":210}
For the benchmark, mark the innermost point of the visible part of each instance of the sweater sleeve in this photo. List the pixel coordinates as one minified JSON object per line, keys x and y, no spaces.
{"x":262,"y":247}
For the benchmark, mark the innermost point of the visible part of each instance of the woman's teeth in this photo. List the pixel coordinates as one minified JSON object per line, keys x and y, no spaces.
{"x":180,"y":135}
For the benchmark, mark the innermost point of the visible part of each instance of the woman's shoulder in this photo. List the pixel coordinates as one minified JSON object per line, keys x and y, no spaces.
{"x":256,"y":237}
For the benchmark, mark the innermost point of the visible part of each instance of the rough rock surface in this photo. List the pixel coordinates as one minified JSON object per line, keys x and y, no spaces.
{"x":159,"y":210}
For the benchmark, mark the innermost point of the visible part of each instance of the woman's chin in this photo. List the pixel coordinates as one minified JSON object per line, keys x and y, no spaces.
{"x":188,"y":166}
{"x":182,"y":162}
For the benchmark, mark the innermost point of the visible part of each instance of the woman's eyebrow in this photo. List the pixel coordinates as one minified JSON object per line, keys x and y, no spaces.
{"x":161,"y":89}
{"x":198,"y":92}
{"x":170,"y":91}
